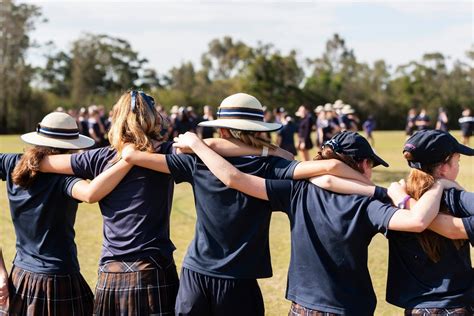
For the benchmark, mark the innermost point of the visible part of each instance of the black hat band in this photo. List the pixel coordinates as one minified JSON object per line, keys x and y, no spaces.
{"x":57,"y":132}
{"x":240,"y":114}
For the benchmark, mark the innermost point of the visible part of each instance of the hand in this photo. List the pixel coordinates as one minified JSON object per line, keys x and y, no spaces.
{"x":397,"y":191}
{"x":301,"y":146}
{"x":448,"y":184}
{"x":4,"y":289}
{"x":278,"y":152}
{"x":186,"y":141}
{"x":128,"y":151}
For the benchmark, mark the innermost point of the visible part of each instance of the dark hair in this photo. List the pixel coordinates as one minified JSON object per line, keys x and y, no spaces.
{"x":27,"y":169}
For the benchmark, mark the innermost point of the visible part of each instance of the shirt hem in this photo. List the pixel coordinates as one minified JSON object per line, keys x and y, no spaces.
{"x":224,"y":275}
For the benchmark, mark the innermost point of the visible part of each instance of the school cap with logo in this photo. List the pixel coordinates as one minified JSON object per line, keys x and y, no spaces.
{"x":355,"y":146}
{"x":242,"y":112}
{"x":433,"y":146}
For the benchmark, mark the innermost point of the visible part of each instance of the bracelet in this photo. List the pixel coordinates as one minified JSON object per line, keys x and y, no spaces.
{"x":403,"y":203}
{"x":264,"y":151}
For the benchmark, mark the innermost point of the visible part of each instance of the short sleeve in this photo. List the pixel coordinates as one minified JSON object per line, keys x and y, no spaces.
{"x":6,"y":162}
{"x":379,"y":215}
{"x":279,"y":194}
{"x":89,"y":164}
{"x":279,"y":168}
{"x":460,"y":203}
{"x":469,"y":226}
{"x":181,"y":167}
{"x":69,"y":183}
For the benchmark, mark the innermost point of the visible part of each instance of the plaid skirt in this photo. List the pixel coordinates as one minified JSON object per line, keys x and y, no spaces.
{"x":298,"y":310}
{"x":147,"y":286}
{"x":460,"y":311}
{"x":36,"y":294}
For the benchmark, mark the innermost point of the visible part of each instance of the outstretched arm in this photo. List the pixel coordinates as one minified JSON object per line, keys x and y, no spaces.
{"x":343,"y":185}
{"x":102,"y":185}
{"x":57,"y":164}
{"x":3,"y":283}
{"x":223,"y":170}
{"x":309,"y":169}
{"x":444,"y":224}
{"x":421,"y":215}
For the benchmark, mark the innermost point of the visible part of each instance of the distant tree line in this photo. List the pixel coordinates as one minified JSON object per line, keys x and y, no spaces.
{"x":98,"y":68}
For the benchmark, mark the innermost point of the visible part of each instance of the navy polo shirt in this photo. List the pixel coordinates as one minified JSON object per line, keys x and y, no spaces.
{"x":414,"y":280}
{"x":43,"y":216}
{"x":231,"y":234}
{"x":330,"y":234}
{"x":136,"y":213}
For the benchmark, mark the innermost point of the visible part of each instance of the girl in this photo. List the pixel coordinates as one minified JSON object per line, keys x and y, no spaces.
{"x":45,"y":278}
{"x":230,"y":250}
{"x":330,"y":232}
{"x":429,"y":274}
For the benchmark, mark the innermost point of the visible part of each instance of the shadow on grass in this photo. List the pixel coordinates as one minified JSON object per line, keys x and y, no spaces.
{"x":385,"y":177}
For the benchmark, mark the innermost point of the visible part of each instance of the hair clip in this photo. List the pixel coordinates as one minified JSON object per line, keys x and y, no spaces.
{"x":133,"y":100}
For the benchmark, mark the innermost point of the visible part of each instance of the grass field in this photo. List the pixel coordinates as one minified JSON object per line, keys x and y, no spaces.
{"x":89,"y":222}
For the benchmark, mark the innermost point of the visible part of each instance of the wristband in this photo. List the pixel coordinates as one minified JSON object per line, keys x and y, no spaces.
{"x":264,"y":151}
{"x":403,"y":203}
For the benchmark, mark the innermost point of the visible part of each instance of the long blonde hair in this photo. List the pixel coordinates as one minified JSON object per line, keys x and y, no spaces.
{"x":137,"y":123}
{"x":418,"y":183}
{"x":251,"y":139}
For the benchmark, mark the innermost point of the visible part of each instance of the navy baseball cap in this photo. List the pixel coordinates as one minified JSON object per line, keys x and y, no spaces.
{"x":354,"y":145}
{"x":433,"y":146}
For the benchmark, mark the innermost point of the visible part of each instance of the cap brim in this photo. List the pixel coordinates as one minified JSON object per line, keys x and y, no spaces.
{"x":464,"y":150}
{"x":378,"y":161}
{"x":242,"y":125}
{"x":39,"y":140}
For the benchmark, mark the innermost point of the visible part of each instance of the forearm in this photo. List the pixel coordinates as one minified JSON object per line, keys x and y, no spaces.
{"x":148,"y":160}
{"x":448,"y":226}
{"x":228,"y":174}
{"x":342,"y":185}
{"x":57,"y":164}
{"x":309,"y":169}
{"x":421,"y":215}
{"x":103,"y":184}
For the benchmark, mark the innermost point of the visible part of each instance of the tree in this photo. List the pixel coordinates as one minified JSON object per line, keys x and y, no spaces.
{"x":17,"y":21}
{"x":102,"y":64}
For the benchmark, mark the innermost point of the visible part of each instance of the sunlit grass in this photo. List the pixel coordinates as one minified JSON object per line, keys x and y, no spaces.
{"x":89,"y":227}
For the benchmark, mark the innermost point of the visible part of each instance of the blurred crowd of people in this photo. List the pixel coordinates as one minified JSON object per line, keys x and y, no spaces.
{"x":326,"y":120}
{"x":420,"y":121}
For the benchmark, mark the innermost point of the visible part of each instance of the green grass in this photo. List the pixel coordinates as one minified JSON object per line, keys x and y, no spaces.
{"x":89,"y":223}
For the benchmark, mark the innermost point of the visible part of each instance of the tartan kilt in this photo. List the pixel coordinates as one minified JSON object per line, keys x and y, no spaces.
{"x":36,"y":294}
{"x":147,"y":286}
{"x":460,"y":311}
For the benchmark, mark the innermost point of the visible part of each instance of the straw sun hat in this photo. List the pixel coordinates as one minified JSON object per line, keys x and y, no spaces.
{"x":242,"y":112}
{"x":58,"y":130}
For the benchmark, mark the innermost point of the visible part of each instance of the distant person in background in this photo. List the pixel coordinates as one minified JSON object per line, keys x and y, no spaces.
{"x":369,"y":126}
{"x":319,"y":114}
{"x":193,"y":118}
{"x":304,"y":132}
{"x":280,"y":115}
{"x":183,"y":122}
{"x":83,"y":122}
{"x":96,"y":128}
{"x":348,"y":121}
{"x":327,"y":125}
{"x":422,"y":121}
{"x":267,"y":118}
{"x":466,"y":122}
{"x":286,"y":135}
{"x":410,"y":123}
{"x":206,"y":131}
{"x":442,"y":122}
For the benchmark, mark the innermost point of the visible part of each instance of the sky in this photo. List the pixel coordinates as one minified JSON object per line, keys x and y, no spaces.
{"x":169,"y":33}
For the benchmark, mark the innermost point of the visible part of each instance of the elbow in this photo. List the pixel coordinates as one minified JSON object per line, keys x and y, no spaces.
{"x":90,"y":198}
{"x":332,"y":166}
{"x":419,"y":225}
{"x":231,"y":181}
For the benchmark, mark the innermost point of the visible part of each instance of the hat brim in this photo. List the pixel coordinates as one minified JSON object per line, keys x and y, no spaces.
{"x":39,"y":140}
{"x":464,"y":150}
{"x":378,"y":161}
{"x":242,"y":125}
